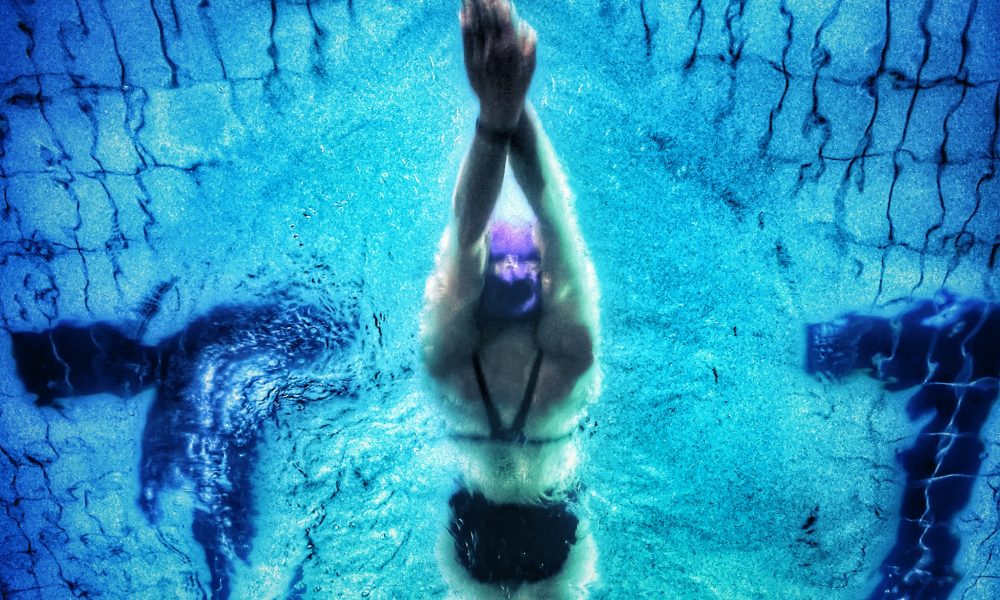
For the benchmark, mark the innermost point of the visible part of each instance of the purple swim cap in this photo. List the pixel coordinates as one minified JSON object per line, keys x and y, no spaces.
{"x":513,"y":239}
{"x":511,"y":286}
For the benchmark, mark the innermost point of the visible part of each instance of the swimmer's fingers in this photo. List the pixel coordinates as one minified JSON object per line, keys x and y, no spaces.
{"x":479,"y":32}
{"x":503,"y":21}
{"x":499,"y":58}
{"x":489,"y":24}
{"x":508,"y":27}
{"x":528,"y":43}
{"x":505,"y":49}
{"x":489,"y":16}
{"x":470,"y":37}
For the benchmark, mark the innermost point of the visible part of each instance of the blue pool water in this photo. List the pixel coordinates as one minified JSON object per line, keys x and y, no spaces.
{"x":741,"y":169}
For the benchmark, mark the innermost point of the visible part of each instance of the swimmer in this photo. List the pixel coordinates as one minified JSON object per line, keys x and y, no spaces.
{"x":509,"y":335}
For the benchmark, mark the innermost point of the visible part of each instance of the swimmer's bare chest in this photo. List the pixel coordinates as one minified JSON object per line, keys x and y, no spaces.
{"x":506,"y":359}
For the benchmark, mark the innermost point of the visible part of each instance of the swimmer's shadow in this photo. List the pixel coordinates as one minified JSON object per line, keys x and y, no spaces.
{"x":217,"y":382}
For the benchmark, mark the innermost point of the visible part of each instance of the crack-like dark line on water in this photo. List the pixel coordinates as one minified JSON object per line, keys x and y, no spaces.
{"x":698,"y":14}
{"x":765,"y":143}
{"x":122,"y":76}
{"x":319,"y":34}
{"x":163,"y":43}
{"x":272,"y":53}
{"x":897,"y":167}
{"x":647,"y":32}
{"x":961,"y":72}
{"x":735,"y":42}
{"x":812,"y":171}
{"x":964,"y":240}
{"x":212,"y":35}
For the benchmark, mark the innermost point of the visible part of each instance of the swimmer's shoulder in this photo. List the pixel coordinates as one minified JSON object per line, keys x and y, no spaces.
{"x":568,"y":345}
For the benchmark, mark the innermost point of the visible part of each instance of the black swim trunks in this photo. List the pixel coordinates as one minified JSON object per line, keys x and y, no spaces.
{"x":511,"y":543}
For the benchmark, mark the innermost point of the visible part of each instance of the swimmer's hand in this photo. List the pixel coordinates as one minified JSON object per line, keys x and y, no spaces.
{"x":499,"y":60}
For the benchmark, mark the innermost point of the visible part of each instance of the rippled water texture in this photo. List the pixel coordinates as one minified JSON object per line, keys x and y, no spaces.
{"x":256,"y":190}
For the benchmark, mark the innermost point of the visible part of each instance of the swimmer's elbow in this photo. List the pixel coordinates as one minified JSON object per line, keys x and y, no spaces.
{"x":433,"y":367}
{"x":430,"y":351}
{"x":442,"y":349}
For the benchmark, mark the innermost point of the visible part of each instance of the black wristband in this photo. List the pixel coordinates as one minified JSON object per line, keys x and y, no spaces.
{"x":492,"y":134}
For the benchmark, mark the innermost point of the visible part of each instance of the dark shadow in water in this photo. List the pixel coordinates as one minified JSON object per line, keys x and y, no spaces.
{"x":950,"y":347}
{"x":217,"y":381}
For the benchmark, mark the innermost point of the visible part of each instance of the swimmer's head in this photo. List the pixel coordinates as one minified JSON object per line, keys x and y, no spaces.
{"x":512,"y":283}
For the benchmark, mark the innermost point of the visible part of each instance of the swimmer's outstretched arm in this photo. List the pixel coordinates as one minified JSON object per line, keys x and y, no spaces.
{"x":569,"y":323}
{"x":449,"y":335}
{"x":499,"y":61}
